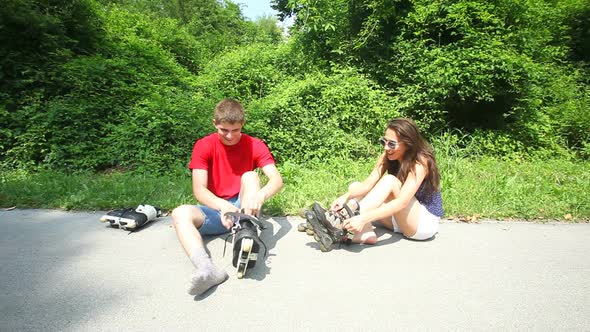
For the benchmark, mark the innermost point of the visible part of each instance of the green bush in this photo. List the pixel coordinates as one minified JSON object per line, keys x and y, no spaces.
{"x":249,"y":72}
{"x":322,"y":116}
{"x":499,"y":66}
{"x":568,"y":108}
{"x":158,"y":133}
{"x":165,"y":33}
{"x":64,"y":127}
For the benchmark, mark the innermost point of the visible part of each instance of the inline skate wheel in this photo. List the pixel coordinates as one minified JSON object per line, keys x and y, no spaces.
{"x":247,"y":245}
{"x":246,"y":248}
{"x":241,"y":270}
{"x":323,"y":248}
{"x":302,"y":227}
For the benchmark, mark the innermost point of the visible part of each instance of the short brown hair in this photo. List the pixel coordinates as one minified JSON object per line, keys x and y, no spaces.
{"x":230,"y":111}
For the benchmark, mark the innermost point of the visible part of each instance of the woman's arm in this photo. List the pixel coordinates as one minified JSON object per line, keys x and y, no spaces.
{"x":406,"y":193}
{"x":364,"y":187}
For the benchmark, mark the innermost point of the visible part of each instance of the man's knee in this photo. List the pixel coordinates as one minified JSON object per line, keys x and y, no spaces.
{"x":250,"y":177}
{"x":186,"y":214}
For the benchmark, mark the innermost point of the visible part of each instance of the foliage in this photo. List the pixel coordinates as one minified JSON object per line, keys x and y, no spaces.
{"x":157,"y":134}
{"x":249,"y":72}
{"x":68,"y":114}
{"x":130,"y":84}
{"x":36,"y":38}
{"x":483,"y":188}
{"x":320,"y":116}
{"x":499,"y":66}
{"x":162,"y":32}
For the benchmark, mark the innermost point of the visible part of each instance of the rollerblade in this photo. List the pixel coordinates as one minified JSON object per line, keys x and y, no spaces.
{"x":327,"y":226}
{"x":305,"y":227}
{"x":132,"y":219}
{"x":246,"y":242}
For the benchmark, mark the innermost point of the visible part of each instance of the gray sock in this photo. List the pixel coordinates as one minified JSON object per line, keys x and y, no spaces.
{"x":207,"y":275}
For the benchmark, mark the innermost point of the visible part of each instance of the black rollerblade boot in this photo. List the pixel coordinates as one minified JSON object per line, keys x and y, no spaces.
{"x":327,"y":225}
{"x":132,"y":219}
{"x":246,"y":242}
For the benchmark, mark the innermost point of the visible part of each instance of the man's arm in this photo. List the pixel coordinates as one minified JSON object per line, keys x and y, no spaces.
{"x":206,"y":197}
{"x":274,"y":184}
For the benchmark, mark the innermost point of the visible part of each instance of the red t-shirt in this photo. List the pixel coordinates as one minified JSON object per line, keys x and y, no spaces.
{"x":226,"y":164}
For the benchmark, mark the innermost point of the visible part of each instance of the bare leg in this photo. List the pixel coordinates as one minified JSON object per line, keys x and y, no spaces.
{"x":381,"y":193}
{"x":385,"y":190}
{"x":366,"y":235}
{"x":407,"y":219}
{"x":186,"y":219}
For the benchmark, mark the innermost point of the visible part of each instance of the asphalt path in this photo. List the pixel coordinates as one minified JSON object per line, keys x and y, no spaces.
{"x":66,"y":271}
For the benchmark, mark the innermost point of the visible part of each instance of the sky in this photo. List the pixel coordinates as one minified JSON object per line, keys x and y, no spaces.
{"x":253,"y":9}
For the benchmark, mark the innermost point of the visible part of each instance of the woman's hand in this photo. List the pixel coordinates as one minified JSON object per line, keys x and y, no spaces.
{"x":354,"y":224}
{"x":339,"y":202}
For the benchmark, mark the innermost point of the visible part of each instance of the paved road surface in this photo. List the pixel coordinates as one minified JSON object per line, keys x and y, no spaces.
{"x":65,"y":271}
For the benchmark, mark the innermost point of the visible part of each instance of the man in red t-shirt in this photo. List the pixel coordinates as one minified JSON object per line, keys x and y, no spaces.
{"x":224,"y":180}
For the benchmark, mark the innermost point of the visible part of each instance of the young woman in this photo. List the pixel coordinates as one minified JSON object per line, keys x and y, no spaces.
{"x":402,"y":192}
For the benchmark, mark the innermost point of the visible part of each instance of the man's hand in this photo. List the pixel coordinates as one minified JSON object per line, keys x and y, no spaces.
{"x":252,"y":207}
{"x":227,"y":221}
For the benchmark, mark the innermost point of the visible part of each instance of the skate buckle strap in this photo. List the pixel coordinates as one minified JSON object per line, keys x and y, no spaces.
{"x":236,"y":217}
{"x":348,"y":238}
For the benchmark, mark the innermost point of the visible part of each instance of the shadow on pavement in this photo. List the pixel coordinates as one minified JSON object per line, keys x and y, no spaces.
{"x":385,"y":236}
{"x":267,"y":235}
{"x":261,"y":270}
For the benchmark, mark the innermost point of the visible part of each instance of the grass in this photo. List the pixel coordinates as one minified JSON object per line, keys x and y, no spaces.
{"x":471,"y":189}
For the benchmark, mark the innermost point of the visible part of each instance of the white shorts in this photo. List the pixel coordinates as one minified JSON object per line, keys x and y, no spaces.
{"x":427,"y":226}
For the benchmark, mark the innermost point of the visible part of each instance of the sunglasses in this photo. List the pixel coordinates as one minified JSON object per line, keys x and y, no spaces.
{"x":390,"y":144}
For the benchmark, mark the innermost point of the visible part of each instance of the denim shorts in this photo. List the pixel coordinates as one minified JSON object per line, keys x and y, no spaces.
{"x":212,"y":224}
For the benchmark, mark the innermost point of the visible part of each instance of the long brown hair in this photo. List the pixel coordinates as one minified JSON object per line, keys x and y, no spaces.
{"x":418,"y":150}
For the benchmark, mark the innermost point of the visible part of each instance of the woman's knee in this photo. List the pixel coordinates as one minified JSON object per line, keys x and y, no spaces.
{"x":353,"y":186}
{"x":391,"y":180}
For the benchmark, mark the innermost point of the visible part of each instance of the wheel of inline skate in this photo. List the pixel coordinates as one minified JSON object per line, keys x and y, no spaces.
{"x":246,"y":248}
{"x":310,"y":231}
{"x":241,"y":270}
{"x":316,"y":237}
{"x":302,"y":227}
{"x":323,"y":248}
{"x":247,"y":245}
